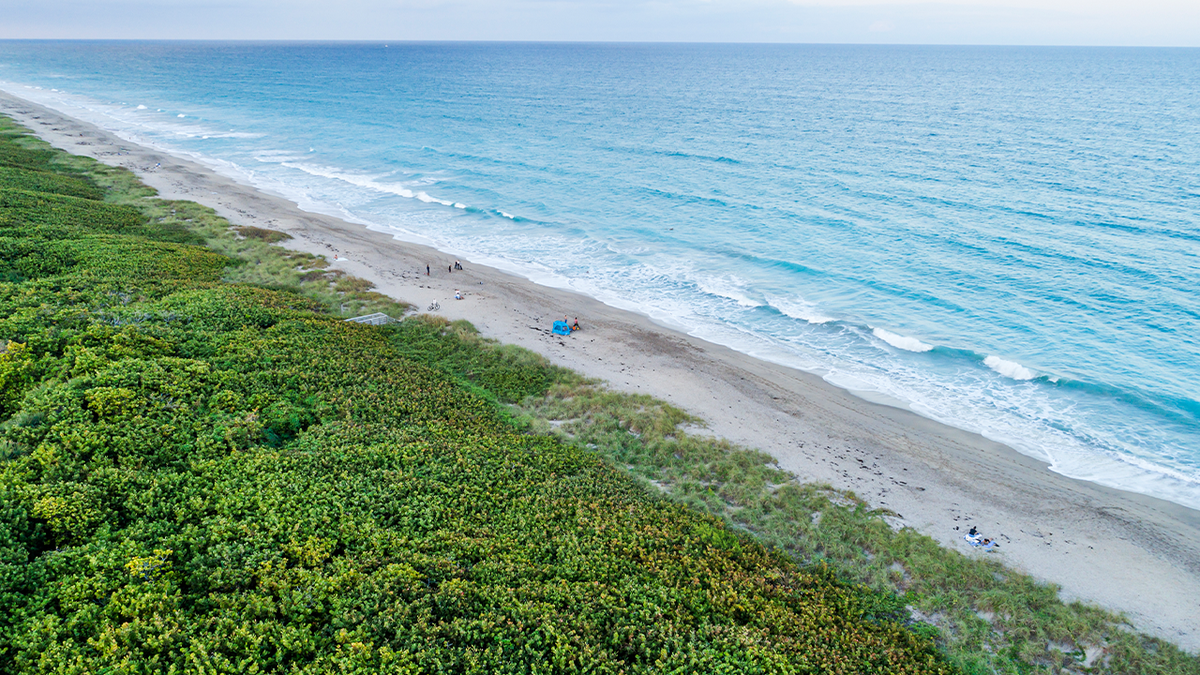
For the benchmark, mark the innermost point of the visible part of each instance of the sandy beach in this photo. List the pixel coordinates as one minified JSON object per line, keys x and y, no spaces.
{"x":1121,"y":550}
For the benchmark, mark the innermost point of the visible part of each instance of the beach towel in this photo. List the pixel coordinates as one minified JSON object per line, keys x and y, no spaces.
{"x":561,"y":328}
{"x":977,"y":542}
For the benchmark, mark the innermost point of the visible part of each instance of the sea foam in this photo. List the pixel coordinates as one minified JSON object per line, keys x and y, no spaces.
{"x":728,"y":286}
{"x":901,"y":341}
{"x":370,"y":182}
{"x":1009,"y":368}
{"x":424,"y":196}
{"x":799,"y":309}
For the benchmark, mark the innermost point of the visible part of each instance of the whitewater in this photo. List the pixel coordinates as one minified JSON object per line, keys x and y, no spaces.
{"x":1005,"y":240}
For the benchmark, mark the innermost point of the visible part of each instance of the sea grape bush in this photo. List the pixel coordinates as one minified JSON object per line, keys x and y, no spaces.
{"x":47,"y":183}
{"x":203,"y":476}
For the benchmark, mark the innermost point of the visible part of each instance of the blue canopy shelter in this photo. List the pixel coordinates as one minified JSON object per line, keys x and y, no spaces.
{"x":561,"y":328}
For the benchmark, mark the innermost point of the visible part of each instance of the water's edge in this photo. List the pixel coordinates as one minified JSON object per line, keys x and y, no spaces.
{"x":1135,"y":473}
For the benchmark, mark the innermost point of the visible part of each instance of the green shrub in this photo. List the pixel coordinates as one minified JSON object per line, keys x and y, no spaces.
{"x":43,"y":181}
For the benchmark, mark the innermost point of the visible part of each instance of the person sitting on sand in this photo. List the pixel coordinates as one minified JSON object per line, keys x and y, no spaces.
{"x":457,"y":295}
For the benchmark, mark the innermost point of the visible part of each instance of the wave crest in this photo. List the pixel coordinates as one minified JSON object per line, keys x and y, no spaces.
{"x":904,"y":342}
{"x":1009,"y":368}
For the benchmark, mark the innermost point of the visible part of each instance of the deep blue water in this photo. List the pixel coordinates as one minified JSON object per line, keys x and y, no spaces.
{"x":1007,"y":239}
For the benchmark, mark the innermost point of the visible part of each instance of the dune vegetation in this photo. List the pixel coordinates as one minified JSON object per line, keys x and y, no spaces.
{"x":199,"y":474}
{"x":203,"y":468}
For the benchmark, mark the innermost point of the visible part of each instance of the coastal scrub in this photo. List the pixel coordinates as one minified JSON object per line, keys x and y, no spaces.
{"x":199,"y":473}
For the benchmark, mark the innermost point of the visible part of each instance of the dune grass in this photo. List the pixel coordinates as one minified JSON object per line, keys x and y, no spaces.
{"x":987,"y":618}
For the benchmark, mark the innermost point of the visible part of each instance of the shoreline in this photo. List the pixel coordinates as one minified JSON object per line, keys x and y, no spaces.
{"x":1124,"y":551}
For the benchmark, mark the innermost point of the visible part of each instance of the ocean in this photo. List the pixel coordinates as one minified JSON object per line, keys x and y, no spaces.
{"x":1003,"y":239}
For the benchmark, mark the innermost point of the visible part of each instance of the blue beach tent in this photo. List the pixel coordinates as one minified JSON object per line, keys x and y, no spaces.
{"x":561,"y":328}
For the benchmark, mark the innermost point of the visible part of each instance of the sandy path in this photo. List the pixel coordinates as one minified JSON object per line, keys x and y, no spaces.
{"x":1124,"y":551}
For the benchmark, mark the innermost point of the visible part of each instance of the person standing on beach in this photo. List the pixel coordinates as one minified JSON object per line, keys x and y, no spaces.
{"x":427,"y":270}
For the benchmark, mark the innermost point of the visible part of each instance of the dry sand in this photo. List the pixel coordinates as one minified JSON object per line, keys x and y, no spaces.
{"x":1123,"y":551}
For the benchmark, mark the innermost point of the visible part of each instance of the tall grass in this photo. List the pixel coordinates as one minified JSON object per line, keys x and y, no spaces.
{"x":989,"y":619}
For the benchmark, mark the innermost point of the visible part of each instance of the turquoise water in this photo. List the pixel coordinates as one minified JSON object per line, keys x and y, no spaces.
{"x":1006,"y":239}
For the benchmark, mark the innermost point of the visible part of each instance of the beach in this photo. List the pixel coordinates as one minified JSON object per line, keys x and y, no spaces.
{"x":1123,"y":551}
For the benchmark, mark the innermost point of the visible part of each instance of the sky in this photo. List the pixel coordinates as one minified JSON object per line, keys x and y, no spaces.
{"x":1008,"y":22}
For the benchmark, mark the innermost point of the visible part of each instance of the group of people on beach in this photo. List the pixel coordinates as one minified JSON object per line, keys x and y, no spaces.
{"x":458,"y":295}
{"x":976,"y":539}
{"x":449,"y":268}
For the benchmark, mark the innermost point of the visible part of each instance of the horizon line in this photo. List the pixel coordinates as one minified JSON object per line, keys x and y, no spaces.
{"x":387,"y":42}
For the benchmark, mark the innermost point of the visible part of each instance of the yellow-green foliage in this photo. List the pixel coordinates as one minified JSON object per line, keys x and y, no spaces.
{"x":151,"y":566}
{"x":47,"y":182}
{"x":203,"y":476}
{"x":18,"y":371}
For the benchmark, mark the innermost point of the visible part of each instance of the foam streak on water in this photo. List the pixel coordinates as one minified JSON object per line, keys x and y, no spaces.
{"x":1004,"y":238}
